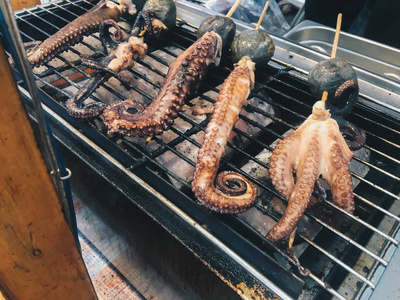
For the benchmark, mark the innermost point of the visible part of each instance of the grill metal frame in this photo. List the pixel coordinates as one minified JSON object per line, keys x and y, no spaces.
{"x":235,"y":258}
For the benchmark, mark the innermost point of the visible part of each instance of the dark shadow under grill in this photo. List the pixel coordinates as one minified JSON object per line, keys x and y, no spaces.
{"x":279,"y":102}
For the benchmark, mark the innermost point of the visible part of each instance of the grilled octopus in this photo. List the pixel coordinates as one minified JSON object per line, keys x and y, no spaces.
{"x":316,"y":148}
{"x":121,"y":56}
{"x":183,"y":78}
{"x":155,"y":18}
{"x":222,"y":198}
{"x":74,"y":32}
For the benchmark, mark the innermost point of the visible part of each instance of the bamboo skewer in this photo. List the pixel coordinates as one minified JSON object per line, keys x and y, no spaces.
{"x":233,"y":8}
{"x":324,"y":96}
{"x":262,"y":16}
{"x":336,"y":39}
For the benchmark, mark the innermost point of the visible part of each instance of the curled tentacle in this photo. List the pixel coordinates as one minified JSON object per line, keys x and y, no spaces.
{"x":355,"y":136}
{"x":110,"y":40}
{"x":345,"y":98}
{"x":183,"y":78}
{"x":233,"y":192}
{"x":74,"y":32}
{"x":231,"y":183}
{"x":74,"y":105}
{"x":127,"y":108}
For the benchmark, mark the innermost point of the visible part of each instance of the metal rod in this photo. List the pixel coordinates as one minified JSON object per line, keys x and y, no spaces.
{"x":376,"y":186}
{"x":357,"y":219}
{"x":339,"y":262}
{"x":376,"y":168}
{"x":43,"y":134}
{"x":389,"y":214}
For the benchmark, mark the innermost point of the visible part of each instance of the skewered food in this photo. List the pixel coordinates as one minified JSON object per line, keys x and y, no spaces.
{"x":316,"y":148}
{"x":339,"y":79}
{"x":256,"y":44}
{"x":183,"y":78}
{"x":74,"y":32}
{"x":224,"y":26}
{"x":223,"y":198}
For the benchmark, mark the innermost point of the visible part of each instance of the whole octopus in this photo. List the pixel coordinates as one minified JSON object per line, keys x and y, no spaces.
{"x":222,"y":198}
{"x":121,"y":56}
{"x":316,"y":148}
{"x":183,"y":78}
{"x":74,"y":31}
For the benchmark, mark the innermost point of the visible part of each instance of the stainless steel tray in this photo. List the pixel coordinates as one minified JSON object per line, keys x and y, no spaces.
{"x":368,"y":54}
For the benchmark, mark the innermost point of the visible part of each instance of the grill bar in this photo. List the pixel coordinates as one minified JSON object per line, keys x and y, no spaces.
{"x":377,"y":207}
{"x":337,"y":261}
{"x":289,"y":258}
{"x":362,"y":222}
{"x":376,"y":186}
{"x":290,"y":103}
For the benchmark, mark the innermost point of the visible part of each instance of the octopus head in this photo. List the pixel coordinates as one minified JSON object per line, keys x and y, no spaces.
{"x":319,"y":112}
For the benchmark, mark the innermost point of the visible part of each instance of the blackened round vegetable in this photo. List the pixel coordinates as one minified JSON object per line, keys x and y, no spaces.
{"x":165,"y":11}
{"x":339,"y":79}
{"x":256,"y":44}
{"x":225,"y":27}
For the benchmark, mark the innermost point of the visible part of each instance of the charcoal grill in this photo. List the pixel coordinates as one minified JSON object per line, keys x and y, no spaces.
{"x":341,"y":264}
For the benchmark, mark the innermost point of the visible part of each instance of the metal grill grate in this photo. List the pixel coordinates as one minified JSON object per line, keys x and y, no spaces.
{"x":346,"y":265}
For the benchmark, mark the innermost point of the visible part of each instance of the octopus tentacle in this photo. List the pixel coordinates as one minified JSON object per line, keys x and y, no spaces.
{"x":97,"y":66}
{"x":231,"y":183}
{"x":223,"y":198}
{"x":110,"y":40}
{"x":355,"y":136}
{"x":345,"y":98}
{"x":340,"y":180}
{"x":183,"y":78}
{"x":300,"y":196}
{"x":74,"y":104}
{"x":282,"y":163}
{"x":322,"y":151}
{"x":123,"y":57}
{"x":74,"y":32}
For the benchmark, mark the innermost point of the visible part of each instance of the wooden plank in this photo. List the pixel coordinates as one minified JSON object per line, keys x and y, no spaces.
{"x":39,"y":257}
{"x":20,"y":4}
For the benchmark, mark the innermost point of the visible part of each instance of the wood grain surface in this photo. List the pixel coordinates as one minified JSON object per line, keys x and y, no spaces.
{"x":39,"y":257}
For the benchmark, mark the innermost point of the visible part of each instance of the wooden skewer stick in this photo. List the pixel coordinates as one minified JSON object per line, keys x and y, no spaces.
{"x":324,"y":96}
{"x":233,"y":8}
{"x":291,"y":240}
{"x":336,"y":40}
{"x":262,"y":16}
